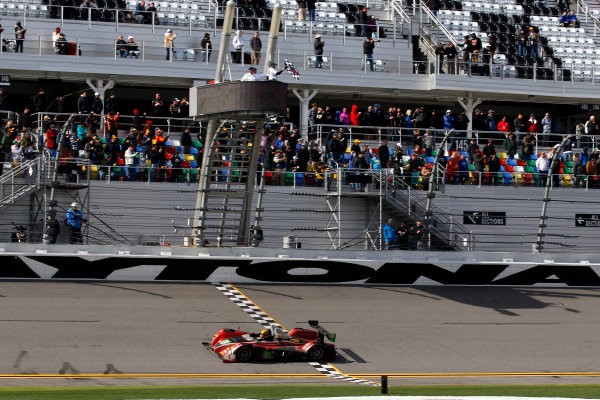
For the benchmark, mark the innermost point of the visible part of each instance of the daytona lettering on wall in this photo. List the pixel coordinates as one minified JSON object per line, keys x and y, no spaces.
{"x":295,"y":271}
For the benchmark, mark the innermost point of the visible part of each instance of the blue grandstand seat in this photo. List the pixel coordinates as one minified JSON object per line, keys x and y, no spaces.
{"x":193,"y":150}
{"x":139,"y":149}
{"x":410,"y":151}
{"x":533,"y":157}
{"x":299,"y":179}
{"x":507,"y":178}
{"x":193,"y":164}
{"x":429,"y":159}
{"x":501,"y":168}
{"x":179,"y":149}
{"x":512,"y":162}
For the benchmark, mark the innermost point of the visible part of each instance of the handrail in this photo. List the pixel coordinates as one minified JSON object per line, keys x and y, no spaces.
{"x":439,"y":24}
{"x":455,"y":234}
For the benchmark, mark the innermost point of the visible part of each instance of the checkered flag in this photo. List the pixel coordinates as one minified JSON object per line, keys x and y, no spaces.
{"x":292,"y":70}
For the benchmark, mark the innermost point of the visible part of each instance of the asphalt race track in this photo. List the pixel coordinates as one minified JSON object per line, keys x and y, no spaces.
{"x":138,"y":334}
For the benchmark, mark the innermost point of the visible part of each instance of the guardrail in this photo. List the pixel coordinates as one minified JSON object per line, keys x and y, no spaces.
{"x":21,"y":180}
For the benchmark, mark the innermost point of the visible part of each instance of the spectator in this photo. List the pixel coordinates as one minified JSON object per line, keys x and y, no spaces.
{"x":150,"y":13}
{"x":97,"y":105}
{"x":510,"y":145}
{"x":121,"y":46}
{"x":533,"y":42}
{"x":402,"y":236}
{"x":62,"y":46}
{"x":476,"y":47}
{"x":169,"y":42}
{"x":132,"y":47}
{"x":255,"y":47}
{"x":528,"y":144}
{"x":503,"y":125}
{"x":186,"y":140}
{"x":112,"y":123}
{"x":140,"y":12}
{"x":19,"y":37}
{"x":389,"y":236}
{"x":318,"y":47}
{"x":130,"y":162}
{"x":564,"y":19}
{"x":368,"y":47}
{"x":494,"y":168}
{"x":478,"y":163}
{"x":74,"y":220}
{"x":472,"y":148}
{"x":55,"y":36}
{"x":414,"y":236}
{"x":206,"y":47}
{"x":578,"y":170}
{"x":490,"y":121}
{"x":489,"y":149}
{"x":238,"y":45}
{"x":439,"y":53}
{"x":160,"y":139}
{"x":450,"y":53}
{"x":546,"y":129}
{"x":363,"y":19}
{"x":384,"y":154}
{"x":591,"y":130}
{"x":250,"y":75}
{"x":302,"y":10}
{"x":157,"y":106}
{"x":591,"y":169}
{"x":51,"y":144}
{"x":532,"y":124}
{"x":83,"y":104}
{"x":453,"y":168}
{"x":311,"y":6}
{"x":428,"y":143}
{"x":519,"y":125}
{"x":542,"y":165}
{"x":523,"y":43}
{"x":448,"y":120}
{"x":572,"y":19}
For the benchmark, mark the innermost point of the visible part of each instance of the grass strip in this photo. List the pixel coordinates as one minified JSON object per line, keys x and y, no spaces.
{"x":280,"y":392}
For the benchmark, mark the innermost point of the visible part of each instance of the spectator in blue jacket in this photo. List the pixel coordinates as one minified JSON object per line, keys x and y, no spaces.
{"x":490,"y":121}
{"x":448,"y":120}
{"x":74,"y":221}
{"x":389,"y":235}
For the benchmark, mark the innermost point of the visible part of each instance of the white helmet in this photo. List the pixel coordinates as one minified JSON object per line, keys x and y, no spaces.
{"x":74,"y":204}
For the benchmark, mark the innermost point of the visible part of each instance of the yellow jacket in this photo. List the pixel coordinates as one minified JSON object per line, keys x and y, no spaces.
{"x":169,"y":38}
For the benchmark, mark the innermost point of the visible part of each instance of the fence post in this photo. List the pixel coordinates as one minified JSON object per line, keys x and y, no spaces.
{"x":40,"y":49}
{"x":77,"y":48}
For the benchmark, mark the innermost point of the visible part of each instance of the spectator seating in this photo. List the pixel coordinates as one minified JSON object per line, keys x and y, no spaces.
{"x":569,"y":48}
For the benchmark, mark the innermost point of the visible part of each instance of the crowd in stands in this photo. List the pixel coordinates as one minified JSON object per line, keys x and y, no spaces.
{"x":336,"y":138}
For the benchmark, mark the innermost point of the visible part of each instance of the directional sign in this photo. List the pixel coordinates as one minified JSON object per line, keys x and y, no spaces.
{"x":4,"y":80}
{"x":484,"y":218}
{"x":587,"y":220}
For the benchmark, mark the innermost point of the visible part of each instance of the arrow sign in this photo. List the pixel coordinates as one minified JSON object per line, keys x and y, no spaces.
{"x":587,"y":220}
{"x":484,"y":218}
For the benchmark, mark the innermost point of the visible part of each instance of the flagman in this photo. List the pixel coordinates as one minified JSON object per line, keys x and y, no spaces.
{"x":272,"y":72}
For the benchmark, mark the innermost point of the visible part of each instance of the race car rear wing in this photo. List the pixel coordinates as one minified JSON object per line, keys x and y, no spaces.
{"x":323,"y":333}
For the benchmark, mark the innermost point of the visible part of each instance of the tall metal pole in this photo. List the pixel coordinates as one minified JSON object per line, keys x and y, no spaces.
{"x":273,"y":36}
{"x":539,"y":244}
{"x":430,"y":194}
{"x":225,"y":36}
{"x":52,"y":202}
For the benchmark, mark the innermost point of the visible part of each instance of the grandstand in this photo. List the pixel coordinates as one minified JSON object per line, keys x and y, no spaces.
{"x":560,"y":80}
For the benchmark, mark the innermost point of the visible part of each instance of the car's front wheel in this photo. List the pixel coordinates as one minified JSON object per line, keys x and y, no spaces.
{"x":243,"y":354}
{"x":316,"y":353}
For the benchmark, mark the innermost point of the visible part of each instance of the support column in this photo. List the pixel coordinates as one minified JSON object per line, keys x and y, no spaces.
{"x":469,"y":104}
{"x":101,"y":88}
{"x":305,"y":99}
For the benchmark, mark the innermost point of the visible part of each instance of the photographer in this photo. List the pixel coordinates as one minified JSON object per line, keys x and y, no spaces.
{"x":19,"y":37}
{"x":74,"y":221}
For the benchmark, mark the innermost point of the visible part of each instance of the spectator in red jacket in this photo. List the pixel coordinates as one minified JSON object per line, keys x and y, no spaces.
{"x":532,"y":125}
{"x":503,"y":125}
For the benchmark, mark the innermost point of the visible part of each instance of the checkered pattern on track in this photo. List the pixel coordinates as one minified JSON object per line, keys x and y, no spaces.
{"x":267,"y":322}
{"x":328,"y":370}
{"x":250,"y":308}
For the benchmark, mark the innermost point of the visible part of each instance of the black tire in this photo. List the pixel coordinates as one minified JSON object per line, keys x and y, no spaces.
{"x":243,"y":354}
{"x":316,"y":353}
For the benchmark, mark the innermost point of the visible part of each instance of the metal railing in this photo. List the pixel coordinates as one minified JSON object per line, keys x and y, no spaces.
{"x":21,"y":180}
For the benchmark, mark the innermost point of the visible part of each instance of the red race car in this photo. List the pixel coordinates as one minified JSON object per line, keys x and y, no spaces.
{"x":274,"y":344}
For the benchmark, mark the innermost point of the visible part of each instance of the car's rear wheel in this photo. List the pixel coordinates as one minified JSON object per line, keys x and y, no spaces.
{"x":243,"y":354}
{"x":316,"y":353}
